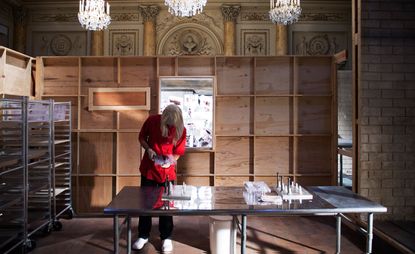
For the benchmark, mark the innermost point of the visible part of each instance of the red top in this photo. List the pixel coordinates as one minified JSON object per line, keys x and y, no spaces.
{"x":151,"y":132}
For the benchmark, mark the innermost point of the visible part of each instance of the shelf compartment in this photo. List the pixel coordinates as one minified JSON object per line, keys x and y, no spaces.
{"x":273,"y":75}
{"x":166,"y":66}
{"x":234,"y":75}
{"x":195,"y":180}
{"x":95,"y":192}
{"x":232,"y":155}
{"x":123,"y":181}
{"x":61,"y":75}
{"x":101,"y":119}
{"x":98,"y":72}
{"x":313,"y":75}
{"x":195,"y":163}
{"x":233,"y":116}
{"x":132,"y":119}
{"x":128,"y":153}
{"x":95,"y":153}
{"x":272,"y":155}
{"x":313,"y":155}
{"x":314,"y":115}
{"x":273,"y":116}
{"x":204,"y":66}
{"x":231,"y":180}
{"x":138,"y":72}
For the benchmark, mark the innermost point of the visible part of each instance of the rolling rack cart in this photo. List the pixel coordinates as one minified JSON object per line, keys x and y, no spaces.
{"x":61,"y":163}
{"x":13,"y":154}
{"x":39,"y":168}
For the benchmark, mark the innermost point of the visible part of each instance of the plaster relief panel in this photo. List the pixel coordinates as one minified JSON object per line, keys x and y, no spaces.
{"x":59,"y":44}
{"x":326,"y":43}
{"x":254,"y":42}
{"x":123,"y":42}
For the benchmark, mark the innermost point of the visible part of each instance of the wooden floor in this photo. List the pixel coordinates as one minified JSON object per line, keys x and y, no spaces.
{"x":191,"y":235}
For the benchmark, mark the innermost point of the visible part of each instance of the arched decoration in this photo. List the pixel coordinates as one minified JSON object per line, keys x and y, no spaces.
{"x":189,"y":39}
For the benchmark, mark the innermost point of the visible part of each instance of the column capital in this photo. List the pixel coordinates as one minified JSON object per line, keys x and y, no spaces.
{"x":149,"y":12}
{"x":230,"y":12}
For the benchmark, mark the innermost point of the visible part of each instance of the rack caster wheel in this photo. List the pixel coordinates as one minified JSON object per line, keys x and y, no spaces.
{"x":29,"y":245}
{"x":57,"y":225}
{"x":70,"y":213}
{"x":46,"y":230}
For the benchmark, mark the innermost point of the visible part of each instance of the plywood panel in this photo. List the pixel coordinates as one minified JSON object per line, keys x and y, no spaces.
{"x":61,"y":75}
{"x":271,"y":181}
{"x":123,"y":181}
{"x":124,"y":98}
{"x":128,"y":153}
{"x":230,"y":180}
{"x":273,"y":116}
{"x":314,"y":155}
{"x":194,"y":163}
{"x":272,"y":155}
{"x":194,"y":180}
{"x":234,"y":75}
{"x":314,"y":115}
{"x":232,"y":116}
{"x":273,"y":76}
{"x":138,"y":72}
{"x":102,"y":119}
{"x":314,"y":180}
{"x":232,"y":155}
{"x":167,"y":66}
{"x":314,"y":75}
{"x":204,"y":66}
{"x":74,"y":154}
{"x":132,"y":119}
{"x":95,"y":193}
{"x":96,"y":151}
{"x":98,"y":72}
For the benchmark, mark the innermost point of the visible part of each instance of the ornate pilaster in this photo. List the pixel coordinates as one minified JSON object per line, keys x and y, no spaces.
{"x":20,"y":24}
{"x":149,"y":13}
{"x":281,"y":40}
{"x":230,"y":13}
{"x":97,"y":42}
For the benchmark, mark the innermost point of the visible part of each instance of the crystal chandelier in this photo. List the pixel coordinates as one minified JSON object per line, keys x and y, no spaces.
{"x":94,"y":14}
{"x":284,"y":12}
{"x":185,"y":8}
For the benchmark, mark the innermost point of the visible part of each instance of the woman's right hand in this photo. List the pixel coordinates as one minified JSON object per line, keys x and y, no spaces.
{"x":151,"y":154}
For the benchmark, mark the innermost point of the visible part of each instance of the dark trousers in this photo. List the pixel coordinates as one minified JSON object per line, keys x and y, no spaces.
{"x":144,"y":222}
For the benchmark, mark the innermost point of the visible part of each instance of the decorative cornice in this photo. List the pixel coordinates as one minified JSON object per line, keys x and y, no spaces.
{"x":333,"y":17}
{"x":230,"y":12}
{"x":149,"y":12}
{"x":254,"y":16}
{"x":125,"y":16}
{"x":59,"y":17}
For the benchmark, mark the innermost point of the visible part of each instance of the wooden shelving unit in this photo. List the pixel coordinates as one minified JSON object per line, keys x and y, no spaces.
{"x":272,"y":114}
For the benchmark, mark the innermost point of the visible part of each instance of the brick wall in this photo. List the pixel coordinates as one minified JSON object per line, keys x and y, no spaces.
{"x":387,"y":158}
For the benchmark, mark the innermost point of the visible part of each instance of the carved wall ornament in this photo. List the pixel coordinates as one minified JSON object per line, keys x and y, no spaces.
{"x":254,"y":42}
{"x":334,"y":17}
{"x":123,"y":42}
{"x":230,"y":12}
{"x":58,"y":17}
{"x":60,"y":45}
{"x":320,"y":44}
{"x":149,"y":12}
{"x":189,"y":39}
{"x":125,"y":16}
{"x":254,"y":16}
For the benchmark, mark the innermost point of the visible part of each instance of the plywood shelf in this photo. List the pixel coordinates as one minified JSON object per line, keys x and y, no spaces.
{"x":272,"y":114}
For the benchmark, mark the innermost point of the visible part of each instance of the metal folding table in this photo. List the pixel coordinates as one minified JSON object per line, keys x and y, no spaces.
{"x":327,"y":201}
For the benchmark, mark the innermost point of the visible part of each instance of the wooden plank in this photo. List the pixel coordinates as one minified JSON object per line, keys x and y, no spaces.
{"x":273,"y":76}
{"x":61,"y":75}
{"x":194,"y":163}
{"x":166,"y":66}
{"x":272,"y":155}
{"x":232,"y":116}
{"x":271,"y":181}
{"x":132,"y":119}
{"x":96,"y":153}
{"x":204,"y":66}
{"x":194,"y":180}
{"x":101,"y":119}
{"x":313,"y":180}
{"x":232,"y":155}
{"x":98,"y":72}
{"x":123,"y":181}
{"x":128,"y":153}
{"x":273,"y":116}
{"x":313,"y":155}
{"x":94,"y":193}
{"x":314,"y":75}
{"x":314,"y":115}
{"x":230,"y":180}
{"x":138,"y":72}
{"x":119,"y":98}
{"x":234,"y":75}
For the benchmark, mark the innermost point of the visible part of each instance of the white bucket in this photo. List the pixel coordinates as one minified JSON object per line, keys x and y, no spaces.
{"x":222,"y":234}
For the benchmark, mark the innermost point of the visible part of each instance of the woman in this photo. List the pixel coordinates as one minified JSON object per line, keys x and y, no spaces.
{"x":162,"y":136}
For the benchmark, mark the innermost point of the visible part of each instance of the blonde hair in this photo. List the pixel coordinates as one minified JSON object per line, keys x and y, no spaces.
{"x":172,"y":116}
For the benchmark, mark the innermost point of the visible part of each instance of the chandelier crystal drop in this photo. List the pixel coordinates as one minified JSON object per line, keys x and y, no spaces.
{"x":185,"y":8}
{"x":94,"y":14}
{"x":284,"y":12}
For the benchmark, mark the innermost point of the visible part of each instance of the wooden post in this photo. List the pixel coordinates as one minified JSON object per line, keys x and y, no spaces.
{"x":149,"y":14}
{"x":230,"y":13}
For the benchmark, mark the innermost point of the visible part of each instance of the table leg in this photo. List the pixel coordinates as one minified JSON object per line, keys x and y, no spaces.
{"x":369,"y":236}
{"x":338,"y":232}
{"x":128,"y":234}
{"x":243,"y":235}
{"x":116,"y":234}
